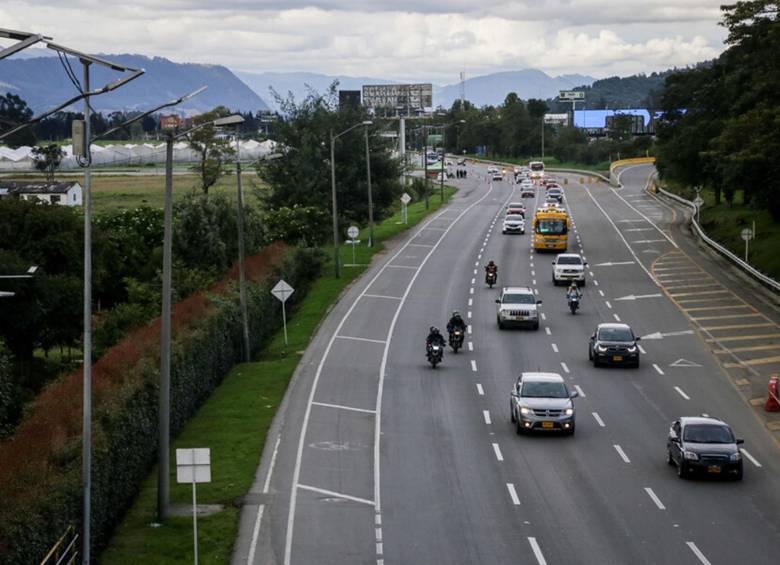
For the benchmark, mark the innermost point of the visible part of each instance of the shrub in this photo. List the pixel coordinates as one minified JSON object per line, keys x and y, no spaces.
{"x":10,"y":396}
{"x":299,"y":225}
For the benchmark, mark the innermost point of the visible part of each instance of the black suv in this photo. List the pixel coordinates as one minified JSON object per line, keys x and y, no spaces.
{"x":705,"y":445}
{"x":613,"y":344}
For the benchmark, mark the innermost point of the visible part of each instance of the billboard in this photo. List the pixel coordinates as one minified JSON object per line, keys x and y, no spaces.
{"x":349,"y":98}
{"x":401,"y":98}
{"x":571,"y":95}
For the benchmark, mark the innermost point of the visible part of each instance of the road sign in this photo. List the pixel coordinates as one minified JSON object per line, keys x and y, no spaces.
{"x":405,"y":198}
{"x":353,"y":232}
{"x":282,"y":291}
{"x":747,"y":234}
{"x":698,"y":201}
{"x":194,"y":466}
{"x":571,"y":95}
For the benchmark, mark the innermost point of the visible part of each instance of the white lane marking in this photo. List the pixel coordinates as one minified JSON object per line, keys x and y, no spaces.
{"x":342,"y":407}
{"x":752,"y":459}
{"x":534,"y":282}
{"x":378,"y":533}
{"x":547,"y":330}
{"x":475,"y":271}
{"x":378,"y":519}
{"x":382,"y":341}
{"x":468,"y":313}
{"x":544,"y":316}
{"x":697,"y":552}
{"x":579,"y":389}
{"x":658,"y":369}
{"x":259,"y":518}
{"x":533,"y":273}
{"x":471,"y":346}
{"x":476,"y":263}
{"x":471,"y":301}
{"x":601,"y":292}
{"x":335,"y":494}
{"x":608,"y":304}
{"x":596,"y":283}
{"x":641,"y":349}
{"x":468,"y":330}
{"x":532,"y":264}
{"x":598,"y":419}
{"x":486,"y":416}
{"x":622,"y":453}
{"x":379,"y":551}
{"x":537,"y":551}
{"x":479,"y":256}
{"x":401,"y":266}
{"x":659,"y":230}
{"x":513,"y":494}
{"x":554,"y":347}
{"x":655,"y":498}
{"x":473,"y":365}
{"x":473,"y":281}
{"x":382,"y":371}
{"x":617,"y":318}
{"x":471,"y":290}
{"x":497,"y":451}
{"x":565,"y":367}
{"x":480,"y":390}
{"x":381,"y":296}
{"x":682,"y":393}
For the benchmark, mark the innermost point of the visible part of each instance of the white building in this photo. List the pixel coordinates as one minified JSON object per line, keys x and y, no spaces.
{"x":62,"y":193}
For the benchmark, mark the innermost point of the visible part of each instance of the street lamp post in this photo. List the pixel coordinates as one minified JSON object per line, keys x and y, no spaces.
{"x":241,"y":254}
{"x":334,"y":205}
{"x":370,"y":196}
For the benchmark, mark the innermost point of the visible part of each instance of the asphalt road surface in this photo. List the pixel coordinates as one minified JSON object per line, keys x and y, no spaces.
{"x":377,"y":458}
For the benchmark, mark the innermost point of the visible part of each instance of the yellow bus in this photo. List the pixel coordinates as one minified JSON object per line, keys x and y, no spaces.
{"x":551,"y":229}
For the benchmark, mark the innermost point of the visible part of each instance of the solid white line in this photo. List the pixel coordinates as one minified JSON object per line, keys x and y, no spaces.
{"x":473,"y":365}
{"x":682,"y":393}
{"x":486,"y":416}
{"x":655,"y":498}
{"x":335,"y":494}
{"x":658,"y":369}
{"x":513,"y":494}
{"x":383,"y":366}
{"x":250,"y":559}
{"x":537,"y":551}
{"x":480,"y":390}
{"x":598,"y":419}
{"x":565,"y":367}
{"x":641,"y":349}
{"x":617,"y":318}
{"x":554,"y":347}
{"x":753,"y":460}
{"x":608,"y":304}
{"x":547,"y":330}
{"x":381,"y":296}
{"x":579,"y":389}
{"x":622,"y":453}
{"x":697,"y":552}
{"x":361,"y":339}
{"x":341,"y":407}
{"x":497,"y":451}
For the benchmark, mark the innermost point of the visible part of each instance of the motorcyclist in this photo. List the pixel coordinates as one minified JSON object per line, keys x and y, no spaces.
{"x":434,"y":338}
{"x":456,"y":323}
{"x":573,"y":291}
{"x":491,"y":267}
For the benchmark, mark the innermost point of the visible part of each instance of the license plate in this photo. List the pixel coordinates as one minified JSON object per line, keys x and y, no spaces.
{"x":713,"y":469}
{"x":548,"y":425}
{"x":617,"y":358}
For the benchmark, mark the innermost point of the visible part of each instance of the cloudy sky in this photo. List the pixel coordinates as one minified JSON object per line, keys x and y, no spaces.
{"x":404,"y":40}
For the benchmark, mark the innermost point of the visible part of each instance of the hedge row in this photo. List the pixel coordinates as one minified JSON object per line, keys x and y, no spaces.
{"x":40,"y":467}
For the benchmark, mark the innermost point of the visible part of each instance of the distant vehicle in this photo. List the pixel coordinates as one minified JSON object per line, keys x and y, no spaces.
{"x":613,"y":344}
{"x":552,"y":184}
{"x":568,"y":267}
{"x":517,"y":305}
{"x":537,"y":170}
{"x":492,"y":170}
{"x":498,"y":176}
{"x":513,"y":223}
{"x":515,"y":208}
{"x":551,"y":229}
{"x":556,"y":193}
{"x":527,"y":190}
{"x":461,"y":162}
{"x":542,"y":401}
{"x":704,"y":445}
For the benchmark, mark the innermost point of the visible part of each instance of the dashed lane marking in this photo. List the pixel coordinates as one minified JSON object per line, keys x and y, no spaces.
{"x":697,"y":552}
{"x":598,"y":419}
{"x":480,"y":390}
{"x":497,"y":451}
{"x":681,"y":392}
{"x":654,"y":498}
{"x":473,"y":365}
{"x":579,"y":390}
{"x":752,"y":459}
{"x":486,"y":417}
{"x":537,"y":551}
{"x":554,"y":347}
{"x":658,"y":369}
{"x":565,"y":367}
{"x":622,"y":453}
{"x":513,"y":494}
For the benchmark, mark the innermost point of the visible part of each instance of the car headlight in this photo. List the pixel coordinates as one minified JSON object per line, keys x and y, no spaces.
{"x":602,"y":348}
{"x":735,"y":456}
{"x":525,"y":410}
{"x":569,"y":411}
{"x":691,"y":456}
{"x":632,"y":349}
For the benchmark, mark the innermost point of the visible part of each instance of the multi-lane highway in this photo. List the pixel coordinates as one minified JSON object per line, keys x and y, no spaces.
{"x":377,"y":458}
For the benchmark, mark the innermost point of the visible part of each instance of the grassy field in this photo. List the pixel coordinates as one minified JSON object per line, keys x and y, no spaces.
{"x":234,"y":423}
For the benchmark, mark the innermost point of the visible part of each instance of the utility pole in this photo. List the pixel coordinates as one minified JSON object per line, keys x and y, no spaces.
{"x":241,"y":265}
{"x":86,"y":445}
{"x":370,"y":196}
{"x":425,"y":161}
{"x":334,"y":209}
{"x":542,"y":138}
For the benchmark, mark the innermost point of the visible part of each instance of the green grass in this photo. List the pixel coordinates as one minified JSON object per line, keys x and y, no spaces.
{"x":234,"y":422}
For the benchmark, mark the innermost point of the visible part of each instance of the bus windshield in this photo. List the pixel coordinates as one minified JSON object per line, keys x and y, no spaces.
{"x":551,"y":227}
{"x":536,"y":166}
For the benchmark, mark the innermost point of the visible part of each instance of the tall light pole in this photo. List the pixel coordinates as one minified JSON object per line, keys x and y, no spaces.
{"x":370,"y":196}
{"x":241,"y":261}
{"x":334,"y":205}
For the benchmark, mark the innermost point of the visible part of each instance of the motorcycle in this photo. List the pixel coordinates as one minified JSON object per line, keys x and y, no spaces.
{"x":456,"y":340}
{"x":574,"y":303}
{"x":435,"y":354}
{"x":490,"y":278}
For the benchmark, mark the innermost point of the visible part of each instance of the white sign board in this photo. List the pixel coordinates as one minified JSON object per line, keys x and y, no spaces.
{"x":193,"y":465}
{"x":747,"y":234}
{"x":353,"y":232}
{"x":282,"y":291}
{"x":405,"y":198}
{"x":698,"y":201}
{"x":571,"y":95}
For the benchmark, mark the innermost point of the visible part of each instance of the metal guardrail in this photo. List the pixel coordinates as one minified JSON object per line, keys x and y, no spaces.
{"x":65,"y":551}
{"x":747,"y":267}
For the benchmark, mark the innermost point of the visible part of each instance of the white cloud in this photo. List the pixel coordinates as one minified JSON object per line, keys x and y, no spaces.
{"x":402,"y":39}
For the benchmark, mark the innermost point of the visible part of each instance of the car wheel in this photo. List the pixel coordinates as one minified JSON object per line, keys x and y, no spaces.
{"x":519,"y":427}
{"x":596,"y":361}
{"x":669,"y":459}
{"x":512,"y":414}
{"x":536,"y":325}
{"x":590,"y":354}
{"x":500,"y":324}
{"x":570,"y":432}
{"x":636,"y":365}
{"x":738,"y":474}
{"x":582,"y":282}
{"x":682,"y":470}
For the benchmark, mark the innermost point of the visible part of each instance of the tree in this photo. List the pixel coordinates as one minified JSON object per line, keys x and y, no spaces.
{"x":47,"y":159}
{"x":14,"y":111}
{"x":213,"y":150}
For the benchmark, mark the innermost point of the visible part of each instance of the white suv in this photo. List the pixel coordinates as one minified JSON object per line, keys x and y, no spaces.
{"x":568,"y":267}
{"x":517,"y":305}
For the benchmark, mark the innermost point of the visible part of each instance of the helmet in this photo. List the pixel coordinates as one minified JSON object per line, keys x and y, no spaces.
{"x":455,"y":313}
{"x":491,"y":262}
{"x":573,"y":285}
{"x":432,"y":329}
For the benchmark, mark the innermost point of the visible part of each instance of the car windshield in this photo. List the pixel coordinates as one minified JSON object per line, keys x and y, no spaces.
{"x":616,"y":334}
{"x":553,"y":190}
{"x":516,"y":205}
{"x":543,"y":390}
{"x":552,"y":227}
{"x":563,"y":260}
{"x":518,"y":299}
{"x":707,"y":433}
{"x":514,"y":218}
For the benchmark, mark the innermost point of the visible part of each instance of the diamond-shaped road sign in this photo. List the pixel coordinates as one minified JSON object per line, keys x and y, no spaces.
{"x":405,"y":198}
{"x":282,"y":291}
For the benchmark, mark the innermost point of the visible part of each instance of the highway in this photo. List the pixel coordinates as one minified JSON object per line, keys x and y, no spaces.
{"x":376,"y":458}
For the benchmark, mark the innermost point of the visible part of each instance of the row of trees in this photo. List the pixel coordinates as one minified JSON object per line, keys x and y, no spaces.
{"x":722,"y":121}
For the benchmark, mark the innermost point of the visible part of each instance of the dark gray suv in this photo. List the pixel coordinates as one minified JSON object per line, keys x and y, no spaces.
{"x":704,"y":445}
